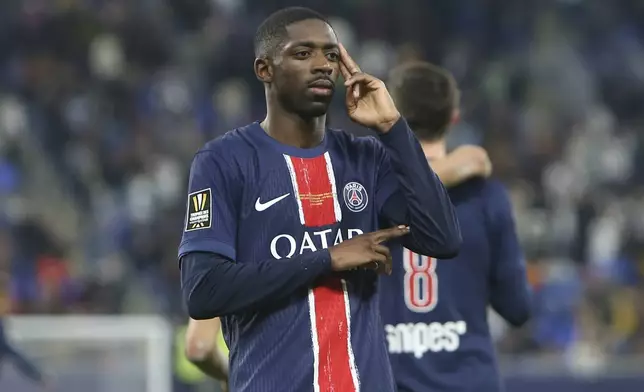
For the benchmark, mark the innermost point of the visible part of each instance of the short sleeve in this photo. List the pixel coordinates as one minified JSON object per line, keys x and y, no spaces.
{"x":386,"y":179}
{"x":211,"y":208}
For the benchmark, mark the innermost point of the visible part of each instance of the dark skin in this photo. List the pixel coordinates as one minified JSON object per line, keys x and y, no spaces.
{"x":312,"y":57}
{"x":296,"y":115}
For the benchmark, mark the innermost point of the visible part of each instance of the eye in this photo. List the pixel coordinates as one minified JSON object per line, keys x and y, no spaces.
{"x":302,"y":54}
{"x":333,"y":56}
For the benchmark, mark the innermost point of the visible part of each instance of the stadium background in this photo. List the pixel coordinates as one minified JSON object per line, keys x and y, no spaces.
{"x":103,"y":103}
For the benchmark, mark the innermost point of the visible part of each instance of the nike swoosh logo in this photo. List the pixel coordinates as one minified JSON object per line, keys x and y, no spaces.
{"x":259,"y":206}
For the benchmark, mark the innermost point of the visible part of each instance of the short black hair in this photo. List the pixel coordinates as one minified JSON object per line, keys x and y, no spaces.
{"x":426,"y":95}
{"x":271,"y":33}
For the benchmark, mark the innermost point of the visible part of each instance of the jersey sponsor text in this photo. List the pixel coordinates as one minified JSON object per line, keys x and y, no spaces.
{"x":287,"y":246}
{"x":420,"y":338}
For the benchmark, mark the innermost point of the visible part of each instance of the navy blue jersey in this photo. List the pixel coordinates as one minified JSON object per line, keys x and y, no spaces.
{"x":435,"y":311}
{"x":264,"y":207}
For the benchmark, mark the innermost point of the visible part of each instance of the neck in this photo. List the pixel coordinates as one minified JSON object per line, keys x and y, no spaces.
{"x":434,"y":150}
{"x":291,"y":129}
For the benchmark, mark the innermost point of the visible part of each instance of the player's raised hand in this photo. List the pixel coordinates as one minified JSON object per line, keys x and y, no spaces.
{"x":366,"y":250}
{"x":473,"y":160}
{"x":368,"y":101}
{"x":462,"y":164}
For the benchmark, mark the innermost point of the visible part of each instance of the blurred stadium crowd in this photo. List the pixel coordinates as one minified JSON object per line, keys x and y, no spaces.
{"x":104,"y":102}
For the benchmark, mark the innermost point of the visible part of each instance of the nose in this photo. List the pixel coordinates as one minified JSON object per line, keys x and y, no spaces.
{"x":322,"y":65}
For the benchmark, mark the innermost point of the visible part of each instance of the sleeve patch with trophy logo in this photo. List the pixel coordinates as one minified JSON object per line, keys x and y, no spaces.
{"x":199,"y":210}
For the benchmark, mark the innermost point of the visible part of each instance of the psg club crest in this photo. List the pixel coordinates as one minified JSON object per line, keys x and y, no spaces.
{"x":355,"y":197}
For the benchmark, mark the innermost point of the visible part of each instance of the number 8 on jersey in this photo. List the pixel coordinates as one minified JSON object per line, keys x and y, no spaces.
{"x":421,"y":282}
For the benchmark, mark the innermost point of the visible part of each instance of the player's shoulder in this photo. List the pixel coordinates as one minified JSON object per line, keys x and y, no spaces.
{"x":232,"y":154}
{"x":369,"y":145}
{"x":231,"y":143}
{"x":493,"y":195}
{"x":494,"y":188}
{"x":478,"y":189}
{"x":482,"y":186}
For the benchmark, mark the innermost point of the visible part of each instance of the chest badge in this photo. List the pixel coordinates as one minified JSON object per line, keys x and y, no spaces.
{"x":355,"y":196}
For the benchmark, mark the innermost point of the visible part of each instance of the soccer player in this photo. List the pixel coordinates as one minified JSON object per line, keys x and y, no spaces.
{"x":435,"y":312}
{"x":202,"y":349}
{"x":282,"y":238}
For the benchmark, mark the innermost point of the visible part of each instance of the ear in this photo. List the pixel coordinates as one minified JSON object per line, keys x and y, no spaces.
{"x":456,"y":116}
{"x":263,"y":70}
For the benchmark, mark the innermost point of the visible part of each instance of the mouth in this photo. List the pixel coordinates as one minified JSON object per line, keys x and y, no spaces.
{"x":322,"y":87}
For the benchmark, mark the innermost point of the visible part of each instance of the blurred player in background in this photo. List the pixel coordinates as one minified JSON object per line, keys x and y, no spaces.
{"x":281,"y":237}
{"x":435,"y":312}
{"x":205,"y":349}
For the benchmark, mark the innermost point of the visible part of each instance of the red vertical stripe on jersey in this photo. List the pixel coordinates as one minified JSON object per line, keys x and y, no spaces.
{"x":332,"y":328}
{"x":328,"y":301}
{"x":315,"y":190}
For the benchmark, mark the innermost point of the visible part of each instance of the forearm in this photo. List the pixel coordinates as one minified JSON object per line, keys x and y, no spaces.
{"x":449,"y":174}
{"x":426,"y":207}
{"x":214,"y":286}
